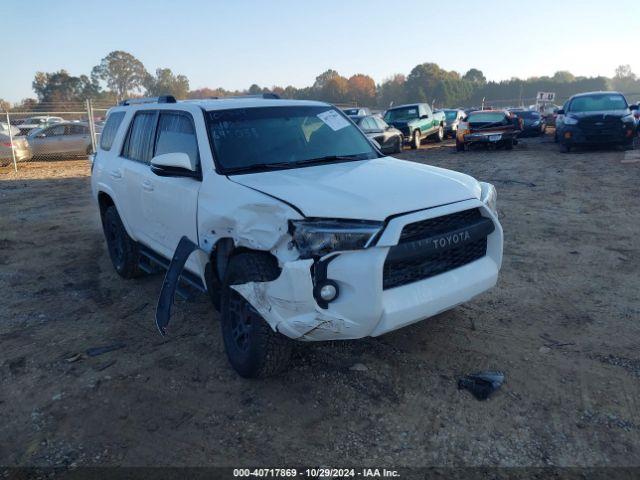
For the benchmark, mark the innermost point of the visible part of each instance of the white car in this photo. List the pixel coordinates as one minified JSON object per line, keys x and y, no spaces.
{"x":292,"y":220}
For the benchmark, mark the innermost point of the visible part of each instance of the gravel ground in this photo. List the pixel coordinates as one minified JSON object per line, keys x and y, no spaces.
{"x":562,"y":324}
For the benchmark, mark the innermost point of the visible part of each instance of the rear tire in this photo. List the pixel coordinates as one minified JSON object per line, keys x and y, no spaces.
{"x":416,"y":140}
{"x":439,"y":136}
{"x":123,"y":251}
{"x":253,"y":348}
{"x":564,"y":148}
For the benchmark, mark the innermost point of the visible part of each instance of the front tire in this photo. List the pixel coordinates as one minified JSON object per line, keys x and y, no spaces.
{"x":398,"y":148}
{"x":564,"y":148}
{"x":253,"y":348}
{"x":123,"y":251}
{"x":459,"y":146}
{"x":416,"y":140}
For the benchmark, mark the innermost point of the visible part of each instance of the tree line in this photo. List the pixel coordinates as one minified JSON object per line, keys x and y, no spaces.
{"x":120,"y":75}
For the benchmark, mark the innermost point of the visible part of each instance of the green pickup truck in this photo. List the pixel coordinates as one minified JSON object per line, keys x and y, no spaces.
{"x":416,"y":121}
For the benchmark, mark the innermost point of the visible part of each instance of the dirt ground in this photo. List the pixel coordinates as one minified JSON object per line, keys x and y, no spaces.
{"x":562,"y":323}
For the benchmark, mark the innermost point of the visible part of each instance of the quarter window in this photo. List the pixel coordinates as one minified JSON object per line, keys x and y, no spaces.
{"x":139,"y":143}
{"x":108,"y":134}
{"x":176,"y":134}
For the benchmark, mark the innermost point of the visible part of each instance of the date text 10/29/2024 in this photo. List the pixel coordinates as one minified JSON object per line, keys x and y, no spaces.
{"x":320,"y":472}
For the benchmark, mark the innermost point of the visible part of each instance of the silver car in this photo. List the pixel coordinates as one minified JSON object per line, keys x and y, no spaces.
{"x":60,"y":139}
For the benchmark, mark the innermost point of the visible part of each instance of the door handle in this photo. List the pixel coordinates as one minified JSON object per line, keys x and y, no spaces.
{"x":115,"y":174}
{"x":147,"y":185}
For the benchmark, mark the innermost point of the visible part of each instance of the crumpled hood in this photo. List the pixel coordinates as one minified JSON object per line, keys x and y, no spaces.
{"x":367,"y":190}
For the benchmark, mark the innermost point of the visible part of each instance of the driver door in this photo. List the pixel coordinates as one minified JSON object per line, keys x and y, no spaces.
{"x":168,"y":203}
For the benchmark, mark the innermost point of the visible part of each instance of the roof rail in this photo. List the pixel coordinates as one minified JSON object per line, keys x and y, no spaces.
{"x":141,"y":100}
{"x":269,"y":95}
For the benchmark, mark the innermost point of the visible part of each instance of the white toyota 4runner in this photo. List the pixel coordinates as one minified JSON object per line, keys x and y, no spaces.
{"x":291,"y":219}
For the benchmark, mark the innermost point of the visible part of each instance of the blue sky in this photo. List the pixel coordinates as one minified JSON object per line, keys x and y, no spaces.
{"x":238,"y":42}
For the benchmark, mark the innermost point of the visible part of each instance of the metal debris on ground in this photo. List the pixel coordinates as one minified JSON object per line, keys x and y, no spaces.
{"x":481,"y":384}
{"x":94,"y":352}
{"x":358,"y":367}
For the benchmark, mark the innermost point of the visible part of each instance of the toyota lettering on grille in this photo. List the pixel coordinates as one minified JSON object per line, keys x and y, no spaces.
{"x":451,"y":239}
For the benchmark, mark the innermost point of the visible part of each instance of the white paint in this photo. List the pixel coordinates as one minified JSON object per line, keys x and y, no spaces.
{"x":254,"y":210}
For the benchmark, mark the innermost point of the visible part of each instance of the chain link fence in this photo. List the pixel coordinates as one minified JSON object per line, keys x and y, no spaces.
{"x":51,"y":130}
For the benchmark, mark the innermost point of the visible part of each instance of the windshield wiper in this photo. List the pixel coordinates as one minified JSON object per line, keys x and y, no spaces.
{"x":330,"y":158}
{"x":261,"y":166}
{"x":297,"y":163}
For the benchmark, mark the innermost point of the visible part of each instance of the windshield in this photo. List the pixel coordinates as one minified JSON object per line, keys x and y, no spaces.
{"x":599,"y":102}
{"x":246,"y":139}
{"x":401,"y":114}
{"x":489,"y":117}
{"x":450,"y":114}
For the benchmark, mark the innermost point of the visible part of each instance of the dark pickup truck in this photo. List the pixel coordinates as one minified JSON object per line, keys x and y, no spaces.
{"x":489,"y":127}
{"x":416,"y":121}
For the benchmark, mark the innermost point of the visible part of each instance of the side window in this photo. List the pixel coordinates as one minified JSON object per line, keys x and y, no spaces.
{"x":176,"y":133}
{"x":426,"y":109}
{"x":79,"y":130}
{"x":108,"y":134}
{"x":54,"y":131}
{"x":139,"y":143}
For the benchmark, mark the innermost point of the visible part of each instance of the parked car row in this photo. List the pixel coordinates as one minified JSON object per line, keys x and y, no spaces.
{"x":591,"y":118}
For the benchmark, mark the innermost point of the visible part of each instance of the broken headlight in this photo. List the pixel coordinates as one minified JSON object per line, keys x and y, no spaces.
{"x":489,"y":197}
{"x":315,"y":238}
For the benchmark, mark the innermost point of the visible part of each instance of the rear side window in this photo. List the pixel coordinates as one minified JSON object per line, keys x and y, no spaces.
{"x":139,"y":143}
{"x":78,"y":130}
{"x":108,"y":134}
{"x":177,"y":134}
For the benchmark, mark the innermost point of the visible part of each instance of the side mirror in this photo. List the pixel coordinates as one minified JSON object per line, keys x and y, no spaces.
{"x":177,"y":164}
{"x":41,"y":135}
{"x":560,"y":112}
{"x":633,"y":107}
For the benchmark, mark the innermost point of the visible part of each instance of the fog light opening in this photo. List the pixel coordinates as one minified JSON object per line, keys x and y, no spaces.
{"x":326,"y":292}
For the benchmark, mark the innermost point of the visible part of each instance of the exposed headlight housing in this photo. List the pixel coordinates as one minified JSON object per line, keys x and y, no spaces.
{"x":570,"y":120}
{"x":489,"y":196}
{"x":315,"y":238}
{"x":628,"y":118}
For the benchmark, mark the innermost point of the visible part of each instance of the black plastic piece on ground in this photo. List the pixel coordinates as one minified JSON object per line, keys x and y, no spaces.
{"x":94,"y":352}
{"x":165,"y":300}
{"x":481,"y":384}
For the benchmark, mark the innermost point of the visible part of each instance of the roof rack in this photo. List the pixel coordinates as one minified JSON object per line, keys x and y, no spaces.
{"x":137,"y":101}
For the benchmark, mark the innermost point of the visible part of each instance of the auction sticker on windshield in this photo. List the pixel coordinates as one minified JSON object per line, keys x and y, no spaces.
{"x":333,"y":119}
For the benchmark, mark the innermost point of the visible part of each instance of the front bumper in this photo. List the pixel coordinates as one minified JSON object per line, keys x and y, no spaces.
{"x":363,"y":308}
{"x":574,"y":135}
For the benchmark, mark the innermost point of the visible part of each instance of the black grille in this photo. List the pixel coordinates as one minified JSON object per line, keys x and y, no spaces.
{"x":402,"y":271}
{"x":600,"y":129}
{"x":436,"y":226}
